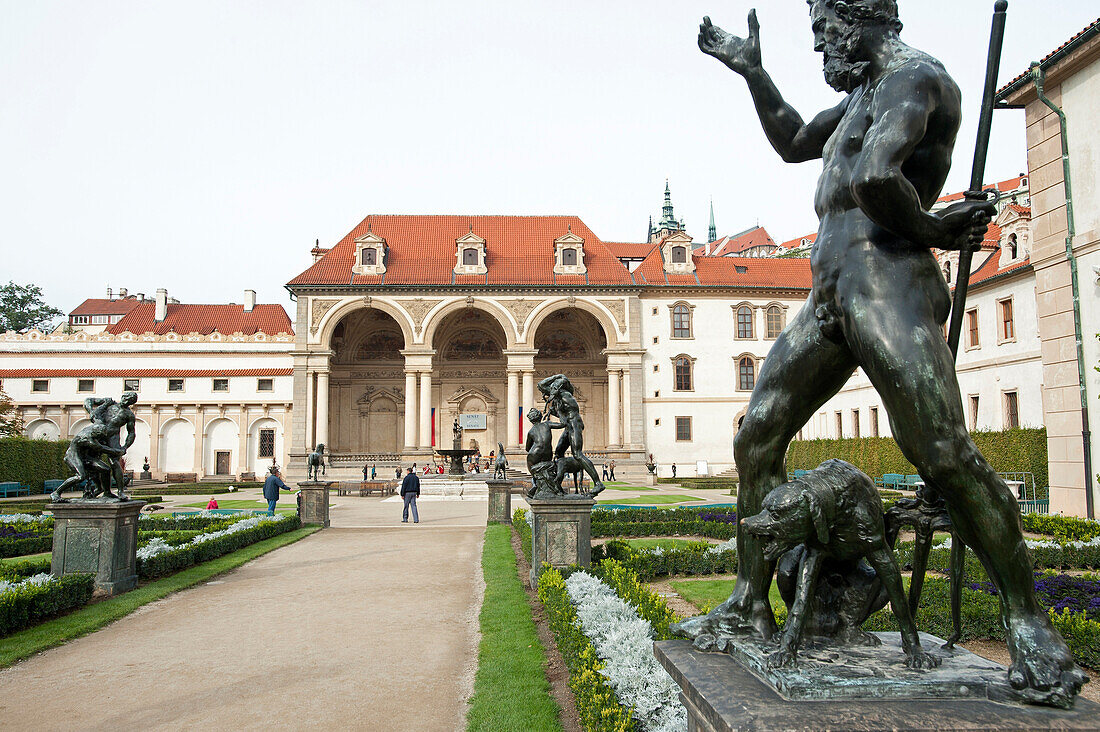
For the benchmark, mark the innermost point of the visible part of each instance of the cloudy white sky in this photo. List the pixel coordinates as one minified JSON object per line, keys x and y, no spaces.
{"x":202,"y":146}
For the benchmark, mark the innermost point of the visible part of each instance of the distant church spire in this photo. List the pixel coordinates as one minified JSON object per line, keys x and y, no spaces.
{"x":712,"y":232}
{"x":668,"y":222}
{"x":649,"y":231}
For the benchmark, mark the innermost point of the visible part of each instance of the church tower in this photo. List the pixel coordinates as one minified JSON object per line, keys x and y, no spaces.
{"x":668,"y":223}
{"x":712,"y":231}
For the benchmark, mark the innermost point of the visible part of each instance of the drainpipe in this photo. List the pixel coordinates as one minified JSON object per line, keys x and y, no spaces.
{"x":1038,"y":75}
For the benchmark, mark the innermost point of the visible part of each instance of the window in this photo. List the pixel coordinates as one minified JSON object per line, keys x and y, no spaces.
{"x":839,"y":426}
{"x":682,"y":380}
{"x":654,"y":340}
{"x":681,"y":321}
{"x":99,"y":320}
{"x":973,"y":340}
{"x":947,"y":271}
{"x":1008,"y":326}
{"x":1013,"y":246}
{"x":679,"y":255}
{"x":874,"y":422}
{"x":744,"y":322}
{"x":469,"y":256}
{"x":746,"y":374}
{"x":1012,"y":411}
{"x":115,"y":319}
{"x":40,"y":385}
{"x":131,"y":384}
{"x":175,"y":384}
{"x":855,"y":423}
{"x":775,"y":321}
{"x":973,"y":411}
{"x":654,"y":311}
{"x":683,"y":429}
{"x":265,"y":385}
{"x":370,"y":256}
{"x":221,"y":384}
{"x":569,"y":257}
{"x":80,"y":320}
{"x":85,"y":385}
{"x":267,"y":443}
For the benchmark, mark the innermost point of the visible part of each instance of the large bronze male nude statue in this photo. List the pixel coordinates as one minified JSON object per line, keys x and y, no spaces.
{"x":879,"y":302}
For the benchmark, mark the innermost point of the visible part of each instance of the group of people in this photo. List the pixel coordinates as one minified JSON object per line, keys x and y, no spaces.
{"x":608,"y":470}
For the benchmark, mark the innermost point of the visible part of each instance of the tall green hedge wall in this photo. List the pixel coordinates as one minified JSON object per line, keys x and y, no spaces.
{"x":1011,"y":451}
{"x":32,"y":462}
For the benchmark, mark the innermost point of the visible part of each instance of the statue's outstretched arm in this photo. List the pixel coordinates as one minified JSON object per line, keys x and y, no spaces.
{"x":794,"y":140}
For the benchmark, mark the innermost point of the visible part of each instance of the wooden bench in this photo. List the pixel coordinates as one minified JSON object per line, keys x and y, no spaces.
{"x":14,"y":489}
{"x":181,"y":478}
{"x":366,"y":487}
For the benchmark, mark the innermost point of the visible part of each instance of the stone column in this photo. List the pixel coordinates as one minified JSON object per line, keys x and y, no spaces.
{"x":310,"y":443}
{"x":154,"y":440}
{"x":528,"y":397}
{"x":410,"y":410}
{"x":561,"y":533}
{"x":66,"y":423}
{"x":614,"y":405}
{"x":322,"y":407}
{"x":628,"y":437}
{"x":242,"y":443}
{"x":99,"y":538}
{"x":512,"y":440}
{"x":426,"y":410}
{"x":200,"y":443}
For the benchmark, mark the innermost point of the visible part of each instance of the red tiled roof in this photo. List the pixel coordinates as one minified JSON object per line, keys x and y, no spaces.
{"x":187,"y":318}
{"x":137,"y":373}
{"x":1004,"y":187}
{"x":1091,"y":28}
{"x":796,"y":243}
{"x":723,"y":272}
{"x":992,"y":268}
{"x":630,"y":250}
{"x":1022,"y":210}
{"x":733,"y":245}
{"x":101,"y":306}
{"x":421,"y":251}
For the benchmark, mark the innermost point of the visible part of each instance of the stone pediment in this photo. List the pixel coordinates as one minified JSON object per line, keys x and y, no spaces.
{"x":465,"y":393}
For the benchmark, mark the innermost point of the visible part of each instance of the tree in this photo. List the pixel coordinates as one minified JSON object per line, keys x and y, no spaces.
{"x":22,"y":308}
{"x":11,"y":425}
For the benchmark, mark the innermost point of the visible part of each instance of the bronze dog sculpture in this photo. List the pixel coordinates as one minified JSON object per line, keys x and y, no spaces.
{"x":831,"y":520}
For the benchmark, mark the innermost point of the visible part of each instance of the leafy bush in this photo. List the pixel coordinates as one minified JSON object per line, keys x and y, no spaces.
{"x":21,"y":570}
{"x":629,"y":586}
{"x":32,"y":462}
{"x":25,"y":538}
{"x":597,"y":705}
{"x":32,"y":602}
{"x":694,"y":559}
{"x":519,"y":520}
{"x":181,"y":557}
{"x":1062,"y":528}
{"x":1010,"y":451}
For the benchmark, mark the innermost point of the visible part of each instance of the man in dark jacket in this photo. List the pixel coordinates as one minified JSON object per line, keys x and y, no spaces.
{"x":410,"y":489}
{"x":272,"y":486}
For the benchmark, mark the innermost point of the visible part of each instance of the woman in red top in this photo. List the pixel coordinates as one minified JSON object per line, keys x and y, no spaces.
{"x":212,"y":505}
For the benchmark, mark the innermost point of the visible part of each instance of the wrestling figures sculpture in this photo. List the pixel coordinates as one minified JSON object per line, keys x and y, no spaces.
{"x":96,"y":451}
{"x":549,"y":466}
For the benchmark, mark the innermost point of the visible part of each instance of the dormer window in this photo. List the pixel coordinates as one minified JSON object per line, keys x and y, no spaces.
{"x":1013,"y":246}
{"x":372,"y":255}
{"x":676,"y":252}
{"x":679,"y":255}
{"x":569,"y":255}
{"x":470,"y":255}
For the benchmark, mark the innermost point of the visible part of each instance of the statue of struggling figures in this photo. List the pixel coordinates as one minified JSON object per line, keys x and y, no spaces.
{"x":115,"y":416}
{"x":557,"y":392}
{"x":879,"y":302}
{"x":91,"y":456}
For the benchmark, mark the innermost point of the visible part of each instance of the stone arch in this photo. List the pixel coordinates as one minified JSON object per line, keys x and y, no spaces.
{"x":78,"y":425}
{"x":487,"y":306}
{"x":43,"y":429}
{"x":602,"y":315}
{"x":177,"y":446}
{"x":339,"y":311}
{"x":221,"y":435}
{"x":380,"y":421}
{"x":254,"y":462}
{"x":137,"y":453}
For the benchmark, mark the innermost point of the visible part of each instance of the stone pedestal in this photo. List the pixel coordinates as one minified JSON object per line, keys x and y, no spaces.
{"x":146,"y":475}
{"x":561,"y":533}
{"x":100,"y":538}
{"x":500,"y":501}
{"x":650,"y":479}
{"x":315,"y":502}
{"x":722,"y":695}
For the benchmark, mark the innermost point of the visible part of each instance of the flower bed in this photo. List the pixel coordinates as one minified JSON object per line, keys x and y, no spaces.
{"x":692,"y":560}
{"x":158,"y":557}
{"x":33,"y":599}
{"x":716,"y":522}
{"x":24,"y":537}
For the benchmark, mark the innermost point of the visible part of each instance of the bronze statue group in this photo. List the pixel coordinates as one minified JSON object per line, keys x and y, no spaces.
{"x":95,"y":453}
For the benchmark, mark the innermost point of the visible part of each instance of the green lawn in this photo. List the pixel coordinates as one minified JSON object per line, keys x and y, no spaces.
{"x":618,"y":485}
{"x":510,"y":688}
{"x":93,"y":617}
{"x":706,"y":594}
{"x":25,"y":557}
{"x":649,"y":501}
{"x":666,"y":544}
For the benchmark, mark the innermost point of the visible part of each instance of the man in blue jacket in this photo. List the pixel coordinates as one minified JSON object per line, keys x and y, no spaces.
{"x":410,"y":489}
{"x":271,"y":489}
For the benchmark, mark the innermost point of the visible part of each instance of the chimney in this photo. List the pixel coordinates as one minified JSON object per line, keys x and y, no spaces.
{"x":110,"y":294}
{"x":122,"y":293}
{"x":160,"y":311}
{"x":249,"y":300}
{"x":140,"y":296}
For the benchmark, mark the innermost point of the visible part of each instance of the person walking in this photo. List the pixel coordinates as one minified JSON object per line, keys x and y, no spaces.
{"x":397,"y":473}
{"x":373,"y":472}
{"x":674,"y":470}
{"x":272,"y":486}
{"x":410,"y":489}
{"x":366,"y":471}
{"x":603,"y":471}
{"x":611,"y":470}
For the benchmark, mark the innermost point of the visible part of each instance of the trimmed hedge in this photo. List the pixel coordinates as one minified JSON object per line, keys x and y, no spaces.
{"x":175,"y":538}
{"x":598,"y":707}
{"x":189,"y":554}
{"x":629,"y":586}
{"x":179,"y":490}
{"x":1062,"y":528}
{"x":709,"y":521}
{"x":33,"y":603}
{"x":519,"y":520}
{"x":690,"y":560}
{"x":32,"y":462}
{"x":21,"y":570}
{"x":28,"y":545}
{"x":1011,"y":451}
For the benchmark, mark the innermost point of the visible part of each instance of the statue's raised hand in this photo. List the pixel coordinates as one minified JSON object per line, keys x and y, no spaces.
{"x":740,"y":54}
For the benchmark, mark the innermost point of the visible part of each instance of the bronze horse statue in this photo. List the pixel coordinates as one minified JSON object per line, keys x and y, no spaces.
{"x":315,"y":460}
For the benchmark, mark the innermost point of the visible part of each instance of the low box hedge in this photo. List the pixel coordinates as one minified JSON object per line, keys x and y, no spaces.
{"x":31,"y":604}
{"x":196,"y":489}
{"x":15,"y":571}
{"x":190,"y":554}
{"x":519,"y":521}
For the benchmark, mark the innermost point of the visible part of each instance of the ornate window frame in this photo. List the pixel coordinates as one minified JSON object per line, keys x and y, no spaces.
{"x":678,"y":239}
{"x":691,"y":372}
{"x":737,"y":371}
{"x":672,"y":320}
{"x":470,"y":241}
{"x":782,"y":319}
{"x":562,"y":243}
{"x":752,"y":321}
{"x":370,"y":241}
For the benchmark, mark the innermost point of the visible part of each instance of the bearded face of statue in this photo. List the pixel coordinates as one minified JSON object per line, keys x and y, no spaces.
{"x":841,"y":44}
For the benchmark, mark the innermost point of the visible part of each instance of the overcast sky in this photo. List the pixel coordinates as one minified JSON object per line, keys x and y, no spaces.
{"x":203,"y":146}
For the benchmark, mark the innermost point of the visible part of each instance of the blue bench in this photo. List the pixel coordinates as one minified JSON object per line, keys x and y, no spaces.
{"x":51,"y":485}
{"x":14,"y":489}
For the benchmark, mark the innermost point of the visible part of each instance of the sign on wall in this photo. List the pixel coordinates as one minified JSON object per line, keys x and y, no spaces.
{"x":473,"y":421}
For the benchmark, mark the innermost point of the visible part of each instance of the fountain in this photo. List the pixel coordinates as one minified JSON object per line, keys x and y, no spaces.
{"x":456,"y":454}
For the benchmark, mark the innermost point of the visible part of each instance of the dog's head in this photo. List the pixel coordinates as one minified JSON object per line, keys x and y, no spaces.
{"x":790,"y":515}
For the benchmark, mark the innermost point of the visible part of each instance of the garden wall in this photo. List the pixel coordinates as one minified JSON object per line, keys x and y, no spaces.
{"x":32,"y":462}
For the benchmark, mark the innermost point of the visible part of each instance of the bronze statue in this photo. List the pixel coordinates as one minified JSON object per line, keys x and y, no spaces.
{"x":500,"y":467}
{"x":540,"y":456}
{"x":115,"y":416}
{"x":557,"y":392}
{"x":879,"y":302}
{"x":315,"y":462}
{"x":91,"y":456}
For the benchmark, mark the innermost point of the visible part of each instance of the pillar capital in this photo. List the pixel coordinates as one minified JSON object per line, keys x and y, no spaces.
{"x":520,"y":359}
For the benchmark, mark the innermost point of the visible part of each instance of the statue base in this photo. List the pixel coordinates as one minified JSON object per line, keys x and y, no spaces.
{"x":500,"y":501}
{"x":561,"y":532}
{"x":721,"y":693}
{"x":99,"y":537}
{"x":315,"y":502}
